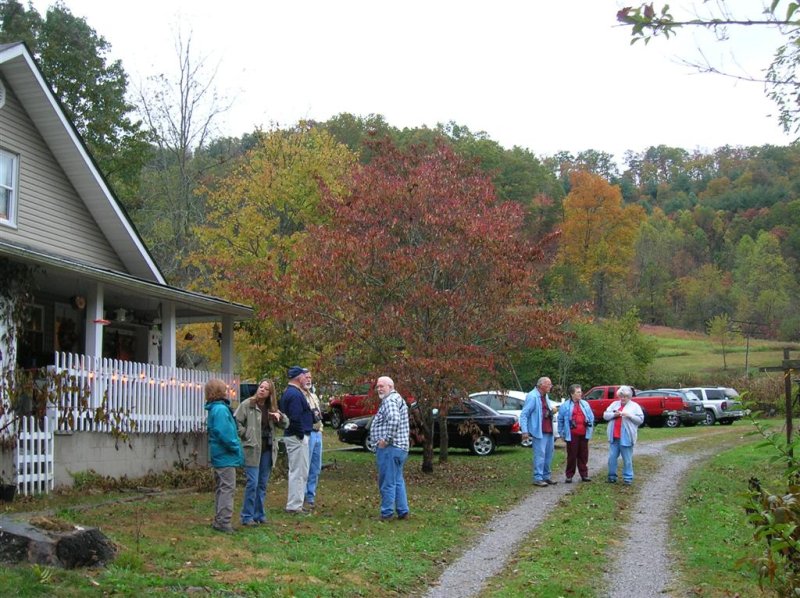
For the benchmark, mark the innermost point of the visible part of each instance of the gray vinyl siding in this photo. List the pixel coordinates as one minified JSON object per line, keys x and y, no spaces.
{"x":50,"y":215}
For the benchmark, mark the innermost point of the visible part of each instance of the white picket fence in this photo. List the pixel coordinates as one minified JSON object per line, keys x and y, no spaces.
{"x":33,"y":463}
{"x":139,"y":397}
{"x":33,"y":459}
{"x":106,"y":395}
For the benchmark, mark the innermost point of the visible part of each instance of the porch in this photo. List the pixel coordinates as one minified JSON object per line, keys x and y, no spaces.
{"x":115,"y":417}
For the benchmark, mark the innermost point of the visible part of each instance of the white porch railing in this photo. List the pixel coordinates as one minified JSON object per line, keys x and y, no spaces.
{"x":157,"y":398}
{"x":34,"y":456}
{"x":33,"y":465}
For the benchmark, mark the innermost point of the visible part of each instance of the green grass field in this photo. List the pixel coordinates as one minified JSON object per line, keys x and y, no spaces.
{"x":166,"y":545}
{"x":683,"y":354}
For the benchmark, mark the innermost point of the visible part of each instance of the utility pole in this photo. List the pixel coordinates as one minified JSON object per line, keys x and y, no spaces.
{"x":787,"y":367}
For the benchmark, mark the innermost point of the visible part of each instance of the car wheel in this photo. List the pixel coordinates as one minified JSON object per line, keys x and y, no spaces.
{"x":368,"y":445}
{"x":527,"y":443}
{"x":483,"y":445}
{"x":336,"y":419}
{"x":710,"y":417}
{"x":726,"y":422}
{"x":672,"y":421}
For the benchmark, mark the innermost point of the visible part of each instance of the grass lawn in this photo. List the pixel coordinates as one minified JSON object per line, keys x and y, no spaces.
{"x":682,"y":353}
{"x":167,"y":546}
{"x":711,"y":537}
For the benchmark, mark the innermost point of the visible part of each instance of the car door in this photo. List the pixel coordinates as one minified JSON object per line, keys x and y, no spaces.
{"x":458,"y":419}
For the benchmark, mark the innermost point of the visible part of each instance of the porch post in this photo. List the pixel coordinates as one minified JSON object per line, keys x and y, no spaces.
{"x":94,"y":329}
{"x":227,"y":344}
{"x":168,"y":342}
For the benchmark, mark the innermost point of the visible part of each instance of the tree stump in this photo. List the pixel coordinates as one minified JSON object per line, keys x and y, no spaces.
{"x":45,"y":542}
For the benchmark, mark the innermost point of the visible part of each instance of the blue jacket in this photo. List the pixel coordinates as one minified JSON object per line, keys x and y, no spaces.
{"x":224,"y":448}
{"x":295,"y":405}
{"x":565,"y":415}
{"x":530,"y":419}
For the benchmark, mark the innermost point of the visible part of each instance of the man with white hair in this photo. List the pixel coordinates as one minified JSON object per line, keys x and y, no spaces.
{"x":390,"y":434}
{"x":536,"y":422}
{"x":624,"y":418}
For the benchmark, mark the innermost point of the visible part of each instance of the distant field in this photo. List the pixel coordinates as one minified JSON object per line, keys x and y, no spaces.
{"x":681,"y":352}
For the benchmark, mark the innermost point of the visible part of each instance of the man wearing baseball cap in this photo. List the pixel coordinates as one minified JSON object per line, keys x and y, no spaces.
{"x":301,"y":421}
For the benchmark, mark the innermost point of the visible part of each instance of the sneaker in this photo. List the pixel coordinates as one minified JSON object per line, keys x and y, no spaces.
{"x":612,"y":480}
{"x":260,"y":522}
{"x":551,"y":482}
{"x":541,"y":484}
{"x":250,"y":523}
{"x":403,"y":517}
{"x":386,"y":517}
{"x":586,"y":479}
{"x":628,"y":482}
{"x":309,"y":506}
{"x":225,"y":529}
{"x":297,"y":511}
{"x":568,"y":481}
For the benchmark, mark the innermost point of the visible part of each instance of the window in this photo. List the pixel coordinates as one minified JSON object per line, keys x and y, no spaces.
{"x":9,"y":166}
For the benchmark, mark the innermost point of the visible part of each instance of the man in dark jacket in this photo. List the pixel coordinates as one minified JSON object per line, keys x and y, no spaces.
{"x":301,"y":421}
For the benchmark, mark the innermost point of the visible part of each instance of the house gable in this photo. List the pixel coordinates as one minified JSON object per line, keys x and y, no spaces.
{"x":50,"y":215}
{"x":45,"y":124}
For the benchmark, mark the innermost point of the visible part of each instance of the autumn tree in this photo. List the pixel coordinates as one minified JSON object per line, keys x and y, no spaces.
{"x":419,"y":273}
{"x":255,"y":215}
{"x":598,"y":236}
{"x":763,"y":282}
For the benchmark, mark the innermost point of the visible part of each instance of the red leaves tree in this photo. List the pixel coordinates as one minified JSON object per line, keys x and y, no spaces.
{"x":419,"y":273}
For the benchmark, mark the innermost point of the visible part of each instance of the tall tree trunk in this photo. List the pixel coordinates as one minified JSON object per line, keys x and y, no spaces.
{"x":444,"y":439}
{"x":427,"y":447}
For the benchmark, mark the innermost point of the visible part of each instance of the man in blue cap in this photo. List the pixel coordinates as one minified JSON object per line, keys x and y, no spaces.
{"x":301,"y":421}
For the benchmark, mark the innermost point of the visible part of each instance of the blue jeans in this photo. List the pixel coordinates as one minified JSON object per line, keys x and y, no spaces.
{"x":255,"y":492}
{"x":615,"y":449}
{"x":542,"y":457}
{"x":390,"y":480}
{"x":314,"y":465}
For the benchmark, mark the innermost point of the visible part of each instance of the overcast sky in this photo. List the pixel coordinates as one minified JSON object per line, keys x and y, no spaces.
{"x":547,"y":75}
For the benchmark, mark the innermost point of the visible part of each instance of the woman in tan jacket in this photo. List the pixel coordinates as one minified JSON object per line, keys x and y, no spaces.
{"x":256,"y":419}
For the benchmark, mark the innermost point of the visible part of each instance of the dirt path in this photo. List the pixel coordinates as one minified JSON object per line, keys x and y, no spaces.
{"x":647,"y":541}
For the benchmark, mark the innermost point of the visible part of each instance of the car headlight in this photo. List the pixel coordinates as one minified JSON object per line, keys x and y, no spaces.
{"x":350,"y":427}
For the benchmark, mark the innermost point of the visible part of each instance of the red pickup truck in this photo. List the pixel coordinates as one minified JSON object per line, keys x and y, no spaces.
{"x":346,"y":406}
{"x":658,"y":410}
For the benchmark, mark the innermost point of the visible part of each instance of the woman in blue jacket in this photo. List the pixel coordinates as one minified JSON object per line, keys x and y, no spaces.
{"x":576,"y":423}
{"x":224,"y":451}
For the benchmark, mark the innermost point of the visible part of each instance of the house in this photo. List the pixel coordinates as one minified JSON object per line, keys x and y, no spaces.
{"x":102,"y":311}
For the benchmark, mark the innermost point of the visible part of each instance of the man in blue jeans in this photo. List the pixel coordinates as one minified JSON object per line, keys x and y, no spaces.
{"x":390,"y":434}
{"x":536,"y":422}
{"x":314,"y":445}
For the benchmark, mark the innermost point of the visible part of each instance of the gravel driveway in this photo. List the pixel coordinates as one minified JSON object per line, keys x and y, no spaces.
{"x":645,"y":548}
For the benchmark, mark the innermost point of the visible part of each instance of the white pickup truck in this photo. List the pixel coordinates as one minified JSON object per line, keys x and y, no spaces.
{"x":721,"y":404}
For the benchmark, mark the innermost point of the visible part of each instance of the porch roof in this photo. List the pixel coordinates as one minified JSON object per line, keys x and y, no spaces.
{"x":73,"y":278}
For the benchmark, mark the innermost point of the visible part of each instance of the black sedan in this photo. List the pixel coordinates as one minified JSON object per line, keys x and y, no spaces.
{"x":470,"y":425}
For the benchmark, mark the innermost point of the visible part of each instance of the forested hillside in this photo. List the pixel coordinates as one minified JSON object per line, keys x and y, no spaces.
{"x":665,"y":236}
